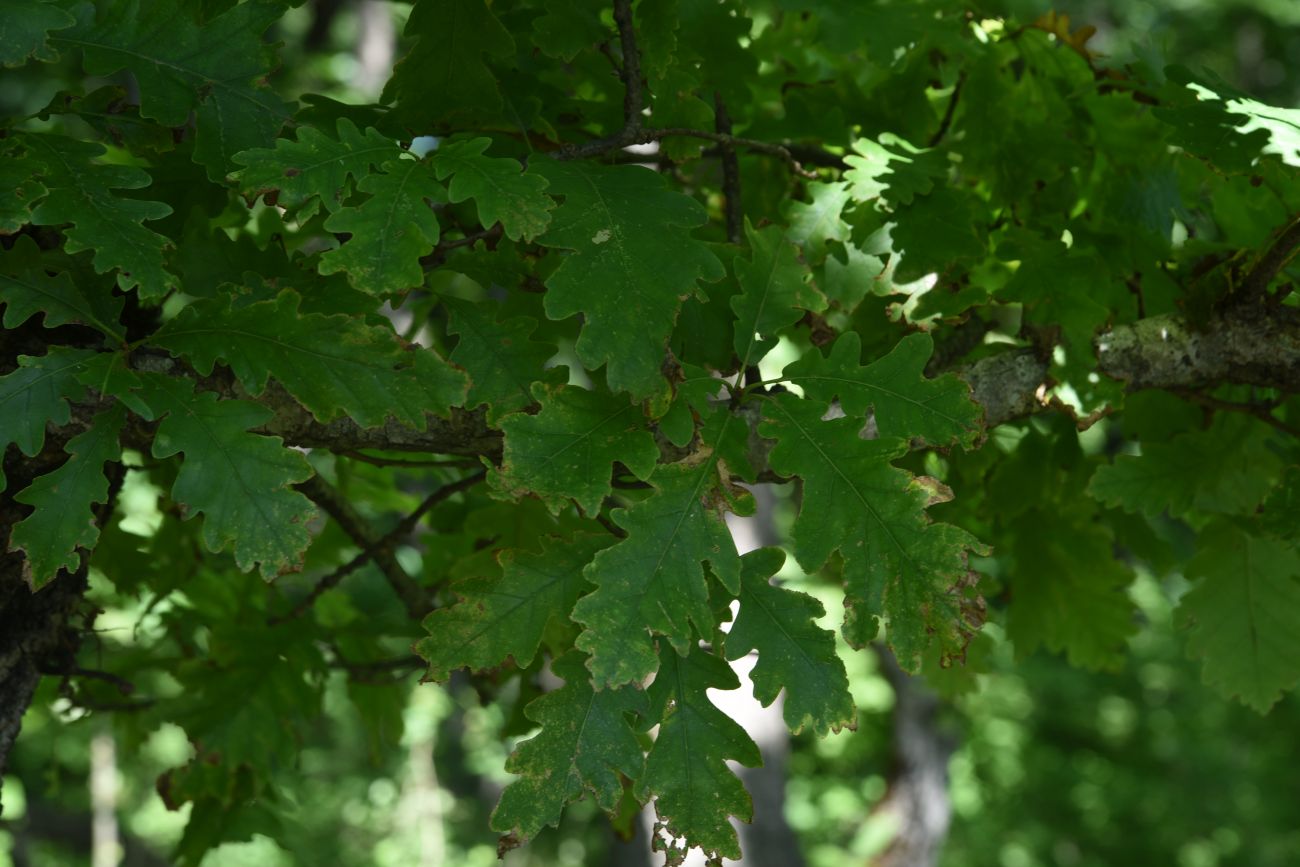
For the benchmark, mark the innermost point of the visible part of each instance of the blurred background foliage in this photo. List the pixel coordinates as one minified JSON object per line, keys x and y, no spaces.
{"x":1052,"y":765}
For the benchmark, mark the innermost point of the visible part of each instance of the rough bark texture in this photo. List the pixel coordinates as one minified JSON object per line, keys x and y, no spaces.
{"x":1254,"y":344}
{"x":38,"y":632}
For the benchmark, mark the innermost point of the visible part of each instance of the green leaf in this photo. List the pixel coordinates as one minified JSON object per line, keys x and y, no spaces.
{"x":444,"y":79}
{"x":27,"y":288}
{"x":570,"y":447}
{"x":37,"y":394}
{"x":1068,"y":591}
{"x":860,"y":274}
{"x":314,"y":166}
{"x":1243,"y":613}
{"x":501,"y":357}
{"x":390,"y":231}
{"x":894,"y":170}
{"x":794,"y":653}
{"x":80,"y":192}
{"x":499,"y":187}
{"x":568,"y":28}
{"x":654,"y":581}
{"x":686,"y":770}
{"x":19,"y":189}
{"x":26,"y":24}
{"x":64,"y":519}
{"x":633,"y":262}
{"x":332,"y":364}
{"x":1227,"y":469}
{"x":814,"y":223}
{"x":774,"y":292}
{"x":216,"y":71}
{"x":238,"y":480}
{"x":897,"y":565}
{"x":248,"y":698}
{"x":894,"y":389}
{"x":505,"y":616}
{"x":585,"y":744}
{"x":940,"y":232}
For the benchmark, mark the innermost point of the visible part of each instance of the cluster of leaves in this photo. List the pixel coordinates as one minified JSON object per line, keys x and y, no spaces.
{"x":195,"y":269}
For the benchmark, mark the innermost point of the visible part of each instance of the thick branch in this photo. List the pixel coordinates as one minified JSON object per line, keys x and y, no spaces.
{"x":1254,"y":344}
{"x":1250,"y":345}
{"x":1007,"y":385}
{"x":466,"y":432}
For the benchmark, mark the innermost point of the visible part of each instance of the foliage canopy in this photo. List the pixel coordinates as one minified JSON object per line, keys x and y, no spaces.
{"x":509,"y":342}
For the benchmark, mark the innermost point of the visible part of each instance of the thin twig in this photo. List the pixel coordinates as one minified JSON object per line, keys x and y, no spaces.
{"x":646,"y":136}
{"x":949,"y":112}
{"x":405,"y":462}
{"x":337,"y":507}
{"x":381,"y":549}
{"x":1261,"y":411}
{"x":633,"y":103}
{"x":630,"y":73}
{"x":124,"y":686}
{"x":371,"y":671}
{"x":730,"y":173}
{"x":439,"y":253}
{"x":1274,"y":259}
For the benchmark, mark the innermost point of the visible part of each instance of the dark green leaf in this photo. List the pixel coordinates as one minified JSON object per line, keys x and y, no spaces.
{"x":686,"y":770}
{"x":794,"y":653}
{"x":217,"y":71}
{"x":27,"y":288}
{"x":569,"y":448}
{"x":81,"y":192}
{"x":499,"y":187}
{"x":504,"y":616}
{"x":894,"y":390}
{"x":316,"y":165}
{"x":654,"y":580}
{"x":633,"y":262}
{"x":585,"y":744}
{"x":332,"y":364}
{"x":1244,"y":613}
{"x":390,"y":231}
{"x":26,"y":24}
{"x":447,"y":60}
{"x":898,"y":566}
{"x":238,"y":480}
{"x":64,"y":519}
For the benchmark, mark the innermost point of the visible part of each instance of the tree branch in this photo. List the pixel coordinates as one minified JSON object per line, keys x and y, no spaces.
{"x":373,"y":671}
{"x":730,"y":174}
{"x":1253,"y":344}
{"x":948,"y":112}
{"x":380,"y":549}
{"x":464,"y":433}
{"x":1274,"y":259}
{"x":463,"y":463}
{"x":630,"y":73}
{"x":633,"y":103}
{"x":646,"y":136}
{"x":490,"y":235}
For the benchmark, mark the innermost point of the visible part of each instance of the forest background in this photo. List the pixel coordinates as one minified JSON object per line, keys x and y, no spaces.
{"x":1047,"y":763}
